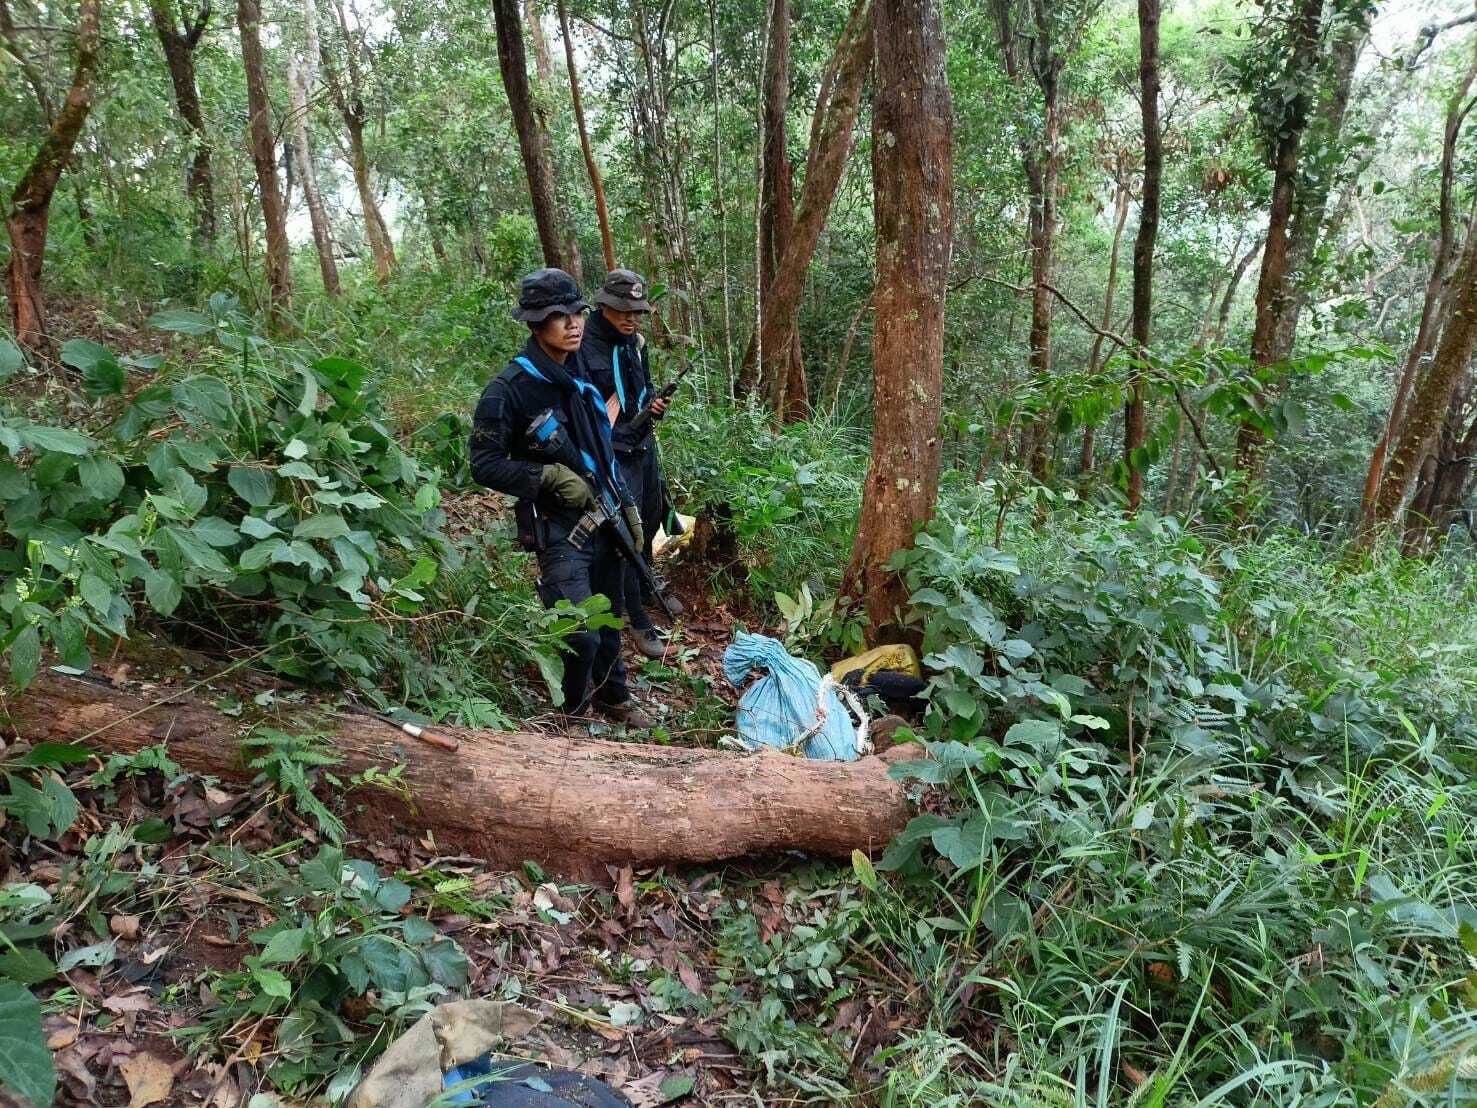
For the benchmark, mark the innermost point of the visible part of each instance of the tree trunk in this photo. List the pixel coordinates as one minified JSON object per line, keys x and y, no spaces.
{"x":1310,"y":205}
{"x":1110,"y":293}
{"x":543,"y":105}
{"x":513,"y":62}
{"x":837,"y":107}
{"x":1273,"y":297}
{"x":1445,"y":476}
{"x":912,"y":171}
{"x":597,"y":183}
{"x":775,"y":364}
{"x":1135,"y":419}
{"x":264,"y":156}
{"x":1457,"y":109}
{"x":179,"y":45}
{"x":30,"y":203}
{"x":301,"y":77}
{"x":349,"y":98}
{"x":1432,"y":396}
{"x":572,"y":804}
{"x":1218,"y":335}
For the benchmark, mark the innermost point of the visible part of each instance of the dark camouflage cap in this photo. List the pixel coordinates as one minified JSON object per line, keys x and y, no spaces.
{"x":625,"y":291}
{"x":548,"y":291}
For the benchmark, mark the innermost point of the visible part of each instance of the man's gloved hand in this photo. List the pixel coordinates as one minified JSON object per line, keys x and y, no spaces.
{"x":633,"y":521}
{"x":566,"y":487}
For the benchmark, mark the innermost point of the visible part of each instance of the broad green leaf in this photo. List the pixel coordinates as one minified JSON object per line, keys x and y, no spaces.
{"x":273,"y":983}
{"x":60,"y":439}
{"x":25,"y":1062}
{"x":253,"y":484}
{"x":182,"y":321}
{"x":162,"y":591}
{"x":100,"y":476}
{"x":310,"y":392}
{"x":13,"y":483}
{"x":287,"y":945}
{"x":25,"y":656}
{"x":12,"y":361}
{"x":83,"y":354}
{"x":214,"y":531}
{"x":27,"y":965}
{"x":324,"y":525}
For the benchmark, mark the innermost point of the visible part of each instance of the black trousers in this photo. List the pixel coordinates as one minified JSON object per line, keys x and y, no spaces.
{"x":643,"y":478}
{"x":593,"y":670}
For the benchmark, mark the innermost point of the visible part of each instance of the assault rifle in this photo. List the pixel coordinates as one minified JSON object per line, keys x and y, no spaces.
{"x":642,"y":419}
{"x":546,"y":435}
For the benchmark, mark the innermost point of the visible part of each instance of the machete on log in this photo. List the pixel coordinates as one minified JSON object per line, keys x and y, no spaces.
{"x":571,"y":804}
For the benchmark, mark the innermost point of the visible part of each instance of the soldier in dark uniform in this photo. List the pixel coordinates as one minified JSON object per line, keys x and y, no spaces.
{"x":613,"y":354}
{"x":552,"y":498}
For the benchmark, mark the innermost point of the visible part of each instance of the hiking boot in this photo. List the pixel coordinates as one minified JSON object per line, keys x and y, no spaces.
{"x":648,"y":641}
{"x":628,"y":712}
{"x":649,"y":600}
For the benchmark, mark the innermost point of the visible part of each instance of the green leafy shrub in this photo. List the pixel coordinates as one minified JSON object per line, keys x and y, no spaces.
{"x":340,"y":934}
{"x":260,"y":494}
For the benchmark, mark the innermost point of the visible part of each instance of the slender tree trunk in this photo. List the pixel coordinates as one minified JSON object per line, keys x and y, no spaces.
{"x":348,"y":96}
{"x":779,"y":361}
{"x":912,"y":171}
{"x":543,"y":105}
{"x":179,"y":45}
{"x":1218,"y":335}
{"x":301,"y":77}
{"x":597,"y":183}
{"x":1310,"y":207}
{"x":1273,"y":297}
{"x":1135,"y":416}
{"x":1445,"y":476}
{"x":264,"y":156}
{"x":29,"y":209}
{"x":721,"y":212}
{"x":1457,"y":109}
{"x":830,"y":146}
{"x":1121,"y":198}
{"x":1432,"y":396}
{"x":513,"y":62}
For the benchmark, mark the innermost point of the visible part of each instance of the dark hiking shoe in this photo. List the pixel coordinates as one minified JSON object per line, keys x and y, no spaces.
{"x":648,"y":642}
{"x":649,"y":600}
{"x":628,"y":712}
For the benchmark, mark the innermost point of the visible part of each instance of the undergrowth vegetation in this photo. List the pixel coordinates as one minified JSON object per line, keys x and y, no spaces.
{"x":1195,"y":827}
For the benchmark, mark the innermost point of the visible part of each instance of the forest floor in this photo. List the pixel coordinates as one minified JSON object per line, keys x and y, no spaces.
{"x":597,"y":963}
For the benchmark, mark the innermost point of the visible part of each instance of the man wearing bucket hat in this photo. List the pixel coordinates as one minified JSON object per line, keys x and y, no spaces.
{"x":613,"y":354}
{"x":551,"y":499}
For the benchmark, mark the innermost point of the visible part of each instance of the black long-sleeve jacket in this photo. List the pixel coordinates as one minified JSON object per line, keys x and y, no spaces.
{"x":617,"y":365}
{"x":500,"y":454}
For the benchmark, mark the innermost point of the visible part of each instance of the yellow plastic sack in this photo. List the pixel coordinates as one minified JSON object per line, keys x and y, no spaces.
{"x":664,"y":544}
{"x":899,"y":659}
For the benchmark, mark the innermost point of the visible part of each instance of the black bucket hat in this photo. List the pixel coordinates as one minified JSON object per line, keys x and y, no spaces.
{"x":545,"y":292}
{"x":625,"y":291}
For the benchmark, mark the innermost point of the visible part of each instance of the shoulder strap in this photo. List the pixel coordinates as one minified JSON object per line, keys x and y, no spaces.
{"x":529,"y":367}
{"x":615,"y":371}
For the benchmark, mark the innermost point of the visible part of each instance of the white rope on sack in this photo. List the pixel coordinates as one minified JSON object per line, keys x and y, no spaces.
{"x":829,"y":684}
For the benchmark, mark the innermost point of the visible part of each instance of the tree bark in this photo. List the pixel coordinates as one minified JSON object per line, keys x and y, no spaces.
{"x":301,"y":76}
{"x":1134,"y":415}
{"x":1273,"y":297}
{"x":1110,"y":294}
{"x":912,"y":171}
{"x":30,"y":203}
{"x":1445,"y":476}
{"x":513,"y":62}
{"x":1457,"y":109}
{"x":543,"y":106}
{"x":349,"y":99}
{"x":1033,"y":52}
{"x":179,"y":43}
{"x":264,"y":156}
{"x":837,"y":107}
{"x":778,"y":363}
{"x":597,"y":182}
{"x":1432,"y":396}
{"x":571,"y":804}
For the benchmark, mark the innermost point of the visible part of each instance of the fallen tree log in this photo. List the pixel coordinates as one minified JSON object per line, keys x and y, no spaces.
{"x":571,"y":804}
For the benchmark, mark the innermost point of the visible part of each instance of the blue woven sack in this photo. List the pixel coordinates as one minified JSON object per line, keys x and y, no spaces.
{"x":788,"y":702}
